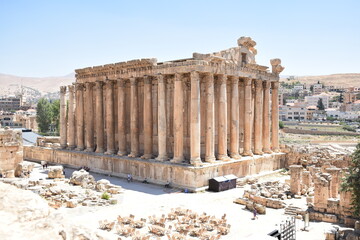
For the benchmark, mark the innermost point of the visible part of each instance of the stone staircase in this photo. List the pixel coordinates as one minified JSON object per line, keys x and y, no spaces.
{"x":292,"y":210}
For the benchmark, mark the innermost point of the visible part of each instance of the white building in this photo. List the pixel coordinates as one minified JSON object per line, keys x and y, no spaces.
{"x":313,"y":100}
{"x":317,"y":88}
{"x":292,"y":112}
{"x":342,"y":115}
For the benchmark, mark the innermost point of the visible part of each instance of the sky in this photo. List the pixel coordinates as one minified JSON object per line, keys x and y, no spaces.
{"x":40,"y":38}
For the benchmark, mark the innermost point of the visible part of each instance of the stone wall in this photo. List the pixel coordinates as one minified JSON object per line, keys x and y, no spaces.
{"x":180,"y":175}
{"x":11,"y":149}
{"x":315,"y":132}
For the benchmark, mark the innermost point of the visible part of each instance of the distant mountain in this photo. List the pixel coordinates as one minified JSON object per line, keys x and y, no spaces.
{"x":44,"y":84}
{"x":339,"y":80}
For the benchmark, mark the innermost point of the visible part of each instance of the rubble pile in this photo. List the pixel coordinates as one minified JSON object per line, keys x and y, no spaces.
{"x":81,"y":189}
{"x":177,"y":224}
{"x":267,"y":194}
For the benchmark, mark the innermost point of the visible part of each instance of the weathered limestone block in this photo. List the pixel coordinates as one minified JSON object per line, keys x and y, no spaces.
{"x":83,"y":178}
{"x":335,"y":181}
{"x":23,"y":169}
{"x":56,"y":172}
{"x":321,"y":192}
{"x":71,"y":203}
{"x":306,"y":179}
{"x":11,"y":149}
{"x":102,"y":185}
{"x":295,"y":179}
{"x":9,"y":174}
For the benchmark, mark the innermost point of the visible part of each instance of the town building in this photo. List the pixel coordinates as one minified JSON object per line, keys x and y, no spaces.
{"x":313,"y":100}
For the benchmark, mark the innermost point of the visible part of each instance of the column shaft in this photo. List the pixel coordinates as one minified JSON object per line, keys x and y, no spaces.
{"x":134,"y":127}
{"x":63,"y":123}
{"x":195,"y":137}
{"x":210,"y":120}
{"x":161,"y":119}
{"x":241,"y":115}
{"x":258,"y":117}
{"x":71,"y":117}
{"x":80,"y":116}
{"x":222,"y":127}
{"x":148,"y":123}
{"x":89,"y":123}
{"x":247,"y":118}
{"x":266,"y":117}
{"x":234,"y":130}
{"x":275,"y":116}
{"x":110,"y":130}
{"x":121,"y":118}
{"x":178,"y":119}
{"x":99,"y":117}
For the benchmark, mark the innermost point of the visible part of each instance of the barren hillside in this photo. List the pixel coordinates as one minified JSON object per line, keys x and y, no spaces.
{"x":45,"y":85}
{"x":340,"y":80}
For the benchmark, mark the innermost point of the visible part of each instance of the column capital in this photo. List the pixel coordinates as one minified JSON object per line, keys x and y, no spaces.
{"x":275,"y":85}
{"x":88,"y":85}
{"x":266,"y":84}
{"x":121,"y":82}
{"x":133,"y":81}
{"x":247,"y":81}
{"x":71,"y":88}
{"x":160,"y":78}
{"x":222,"y":78}
{"x":177,"y":77}
{"x":194,"y":76}
{"x":79,"y":86}
{"x":147,"y":79}
{"x":62,"y":89}
{"x":209,"y":77}
{"x":258,"y":83}
{"x":234,"y":79}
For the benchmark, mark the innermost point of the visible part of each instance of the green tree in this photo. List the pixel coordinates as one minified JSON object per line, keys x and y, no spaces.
{"x":351,"y":181}
{"x":320,"y":104}
{"x":281,"y":124}
{"x":55,"y":114}
{"x":44,"y":115}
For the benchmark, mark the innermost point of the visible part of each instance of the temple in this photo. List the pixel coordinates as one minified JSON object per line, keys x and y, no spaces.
{"x":198,"y":112}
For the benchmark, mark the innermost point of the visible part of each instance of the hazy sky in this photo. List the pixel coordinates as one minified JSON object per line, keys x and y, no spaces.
{"x":52,"y":38}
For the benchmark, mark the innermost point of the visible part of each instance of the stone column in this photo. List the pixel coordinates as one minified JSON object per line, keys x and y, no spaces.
{"x":63,"y":123}
{"x":89,"y":122}
{"x":134,"y":125}
{"x":178,"y":119}
{"x":195,"y":147}
{"x":266,"y":118}
{"x":241,"y":115}
{"x":321,"y":191}
{"x":121,"y":118}
{"x":234,"y":127}
{"x":222,"y":127}
{"x":335,"y":181}
{"x":295,"y":179}
{"x":247,"y":118}
{"x":109,"y":118}
{"x":99,"y":117}
{"x":275,"y":116}
{"x":148,"y":123}
{"x":161,"y":119}
{"x":258,"y":117}
{"x":71,"y":118}
{"x":80,"y":116}
{"x":210,"y":120}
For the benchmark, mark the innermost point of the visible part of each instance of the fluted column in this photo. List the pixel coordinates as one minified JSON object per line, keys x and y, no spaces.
{"x":109,"y":118}
{"x":80,"y":116}
{"x":71,"y":118}
{"x":148,"y":123}
{"x":134,"y":127}
{"x":241,"y":115}
{"x":234,"y":130}
{"x":178,"y":119}
{"x":266,"y":118}
{"x":222,"y":127}
{"x":99,"y":117}
{"x":121,"y":118}
{"x":195,"y":137}
{"x":275,"y":116}
{"x":89,"y":123}
{"x":63,"y":123}
{"x":161,"y":120}
{"x":210,"y":120}
{"x":258,"y":117}
{"x":247,"y":118}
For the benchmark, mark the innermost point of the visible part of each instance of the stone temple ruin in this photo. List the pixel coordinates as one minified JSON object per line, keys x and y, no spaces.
{"x":11,"y":152}
{"x":182,"y":121}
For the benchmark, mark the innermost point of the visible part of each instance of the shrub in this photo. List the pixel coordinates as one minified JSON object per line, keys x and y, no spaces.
{"x":105,"y":196}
